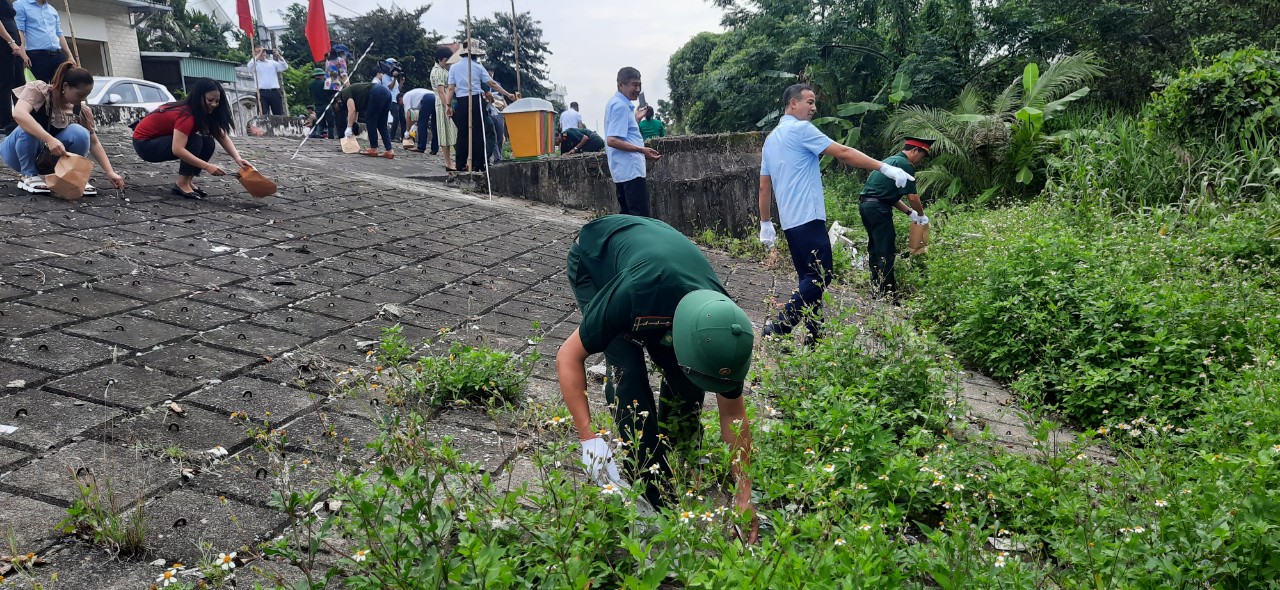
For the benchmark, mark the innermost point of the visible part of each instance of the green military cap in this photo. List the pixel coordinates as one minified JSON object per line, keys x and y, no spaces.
{"x":712,"y":338}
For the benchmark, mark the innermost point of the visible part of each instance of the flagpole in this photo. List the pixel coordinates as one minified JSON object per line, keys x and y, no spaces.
{"x":329,"y":106}
{"x":75,"y":45}
{"x":515,"y":35}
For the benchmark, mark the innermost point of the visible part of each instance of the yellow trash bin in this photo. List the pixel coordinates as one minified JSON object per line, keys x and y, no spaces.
{"x":531,"y":125}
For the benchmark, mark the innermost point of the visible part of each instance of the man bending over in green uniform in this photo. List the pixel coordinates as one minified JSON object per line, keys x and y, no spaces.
{"x":641,"y":285}
{"x":880,"y":196}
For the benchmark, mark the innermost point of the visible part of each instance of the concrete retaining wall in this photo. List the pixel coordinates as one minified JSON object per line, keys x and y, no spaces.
{"x":116,"y":118}
{"x":701,"y":182}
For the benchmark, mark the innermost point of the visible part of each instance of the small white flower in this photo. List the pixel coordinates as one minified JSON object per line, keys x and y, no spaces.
{"x":840,"y":542}
{"x":1161,"y":503}
{"x":866,"y":528}
{"x":1000,"y":559}
{"x":654,"y":469}
{"x":708,"y":516}
{"x":685,"y":517}
{"x":609,"y":489}
{"x":360,"y":555}
{"x":809,"y":452}
{"x":829,"y":468}
{"x":227,"y":561}
{"x":169,"y":576}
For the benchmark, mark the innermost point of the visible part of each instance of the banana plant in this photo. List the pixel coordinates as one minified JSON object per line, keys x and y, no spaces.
{"x":848,"y":132}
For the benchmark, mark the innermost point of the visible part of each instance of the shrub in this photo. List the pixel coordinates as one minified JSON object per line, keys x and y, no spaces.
{"x":466,"y":373}
{"x":1238,"y":94}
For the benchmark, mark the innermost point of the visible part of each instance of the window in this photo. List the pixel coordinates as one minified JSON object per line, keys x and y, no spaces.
{"x":152,"y":94}
{"x":127,"y":91}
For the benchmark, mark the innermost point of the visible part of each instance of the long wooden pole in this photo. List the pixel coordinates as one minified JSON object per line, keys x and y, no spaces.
{"x":471,"y":148}
{"x":75,"y":46}
{"x":515,"y":34}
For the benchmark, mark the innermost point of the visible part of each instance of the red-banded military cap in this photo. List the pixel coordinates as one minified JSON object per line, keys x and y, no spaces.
{"x":924,"y":144}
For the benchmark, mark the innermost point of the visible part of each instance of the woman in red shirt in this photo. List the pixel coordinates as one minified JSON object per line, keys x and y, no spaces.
{"x":187,"y":131}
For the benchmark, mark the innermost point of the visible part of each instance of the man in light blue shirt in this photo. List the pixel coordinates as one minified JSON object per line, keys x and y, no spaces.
{"x":624,"y":146}
{"x":467,"y":78}
{"x":789,"y":170}
{"x":42,"y":37}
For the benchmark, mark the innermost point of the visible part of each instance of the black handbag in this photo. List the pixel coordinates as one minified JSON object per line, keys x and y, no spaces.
{"x":45,"y":162}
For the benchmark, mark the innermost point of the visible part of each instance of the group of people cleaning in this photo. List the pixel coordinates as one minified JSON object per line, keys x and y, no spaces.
{"x":457,"y":117}
{"x":51,"y":122}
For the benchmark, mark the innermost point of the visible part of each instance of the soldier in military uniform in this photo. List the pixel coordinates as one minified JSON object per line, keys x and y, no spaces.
{"x":880,"y":196}
{"x":642,"y":286}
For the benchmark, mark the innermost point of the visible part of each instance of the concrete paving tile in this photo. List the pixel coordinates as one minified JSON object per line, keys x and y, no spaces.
{"x":32,"y":523}
{"x":242,"y":299}
{"x":130,"y":473}
{"x":8,"y":458}
{"x":260,"y":400}
{"x":12,"y":253}
{"x":83,"y":301}
{"x":57,"y":353}
{"x":124,"y":386}
{"x":94,"y":265}
{"x":145,"y":288}
{"x":45,"y":420}
{"x":129,"y":331}
{"x":186,"y":525}
{"x":187,"y":436}
{"x":38,"y":276}
{"x":252,"y":475}
{"x":298,"y":321}
{"x":189,"y":359}
{"x":14,"y":377}
{"x":374,"y":295}
{"x":78,"y":566}
{"x":351,"y":310}
{"x":191,"y":314}
{"x":252,"y":339}
{"x":8,"y":292}
{"x":60,"y":243}
{"x":19,"y":319}
{"x":334,"y":435}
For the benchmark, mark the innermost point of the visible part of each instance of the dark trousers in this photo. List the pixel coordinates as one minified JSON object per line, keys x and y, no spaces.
{"x":375,"y":116}
{"x":811,"y":255}
{"x":10,"y":78}
{"x":160,"y":149}
{"x":398,"y":128}
{"x":470,"y":146}
{"x":44,"y":63}
{"x":427,"y":124}
{"x":327,"y":123}
{"x":272,"y":101}
{"x":633,"y":197}
{"x":881,"y":246}
{"x":650,"y":427}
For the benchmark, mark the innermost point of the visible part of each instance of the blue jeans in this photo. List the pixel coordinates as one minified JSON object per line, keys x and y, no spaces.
{"x":375,"y":115}
{"x":19,"y":149}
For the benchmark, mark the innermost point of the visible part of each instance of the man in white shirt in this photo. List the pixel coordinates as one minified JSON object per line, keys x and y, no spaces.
{"x":267,"y":73}
{"x":571,"y":118}
{"x":790,"y":171}
{"x":624,"y":146}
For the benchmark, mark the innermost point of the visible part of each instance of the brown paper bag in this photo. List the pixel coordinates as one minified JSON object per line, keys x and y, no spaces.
{"x":918,"y":239}
{"x":70,"y":175}
{"x":350,"y":145}
{"x":258,"y":185}
{"x":408,"y":143}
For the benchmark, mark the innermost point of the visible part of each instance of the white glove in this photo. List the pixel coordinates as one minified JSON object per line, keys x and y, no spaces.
{"x":348,"y":133}
{"x":896,"y":174}
{"x":924,"y":220}
{"x":915,"y":217}
{"x":597,"y":457}
{"x":768,"y":235}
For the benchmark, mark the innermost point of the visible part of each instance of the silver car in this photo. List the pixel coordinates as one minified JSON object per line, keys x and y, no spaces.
{"x":128,"y":92}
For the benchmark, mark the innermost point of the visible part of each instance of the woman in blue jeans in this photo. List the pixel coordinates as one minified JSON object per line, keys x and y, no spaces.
{"x":51,"y":115}
{"x":374,"y":100}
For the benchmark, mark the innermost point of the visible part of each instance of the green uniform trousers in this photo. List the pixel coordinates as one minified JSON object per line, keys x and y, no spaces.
{"x":877,"y":217}
{"x":650,"y":428}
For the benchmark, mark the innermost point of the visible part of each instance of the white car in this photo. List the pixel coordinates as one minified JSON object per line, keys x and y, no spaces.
{"x":128,"y":92}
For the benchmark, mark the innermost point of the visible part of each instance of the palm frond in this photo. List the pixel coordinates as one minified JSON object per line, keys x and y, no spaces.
{"x":1064,"y":76}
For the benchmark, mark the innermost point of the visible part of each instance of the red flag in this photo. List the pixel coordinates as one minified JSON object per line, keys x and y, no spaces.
{"x":246,"y":17}
{"x":317,"y":30}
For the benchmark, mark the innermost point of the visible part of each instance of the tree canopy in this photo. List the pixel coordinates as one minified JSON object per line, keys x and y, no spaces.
{"x":494,"y":35}
{"x":191,"y":31}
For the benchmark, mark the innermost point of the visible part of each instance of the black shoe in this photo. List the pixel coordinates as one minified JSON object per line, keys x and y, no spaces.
{"x":184,"y":194}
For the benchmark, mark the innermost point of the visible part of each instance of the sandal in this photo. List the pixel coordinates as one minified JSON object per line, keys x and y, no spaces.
{"x":184,"y":194}
{"x":90,"y":190}
{"x":34,"y":184}
{"x":371,"y":152}
{"x":390,"y":155}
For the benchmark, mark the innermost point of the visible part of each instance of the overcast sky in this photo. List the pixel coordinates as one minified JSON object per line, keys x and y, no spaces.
{"x":589,"y":39}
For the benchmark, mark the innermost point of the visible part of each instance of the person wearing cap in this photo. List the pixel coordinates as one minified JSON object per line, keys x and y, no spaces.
{"x":466,"y":80}
{"x":880,"y":196}
{"x":321,"y":98}
{"x":642,"y":286}
{"x":790,"y":172}
{"x":576,"y":140}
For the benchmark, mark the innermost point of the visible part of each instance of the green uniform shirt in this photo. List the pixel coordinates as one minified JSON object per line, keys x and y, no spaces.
{"x":594,"y":142}
{"x":359,"y":92}
{"x":881,"y":187}
{"x":628,"y":274}
{"x":651,"y":128}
